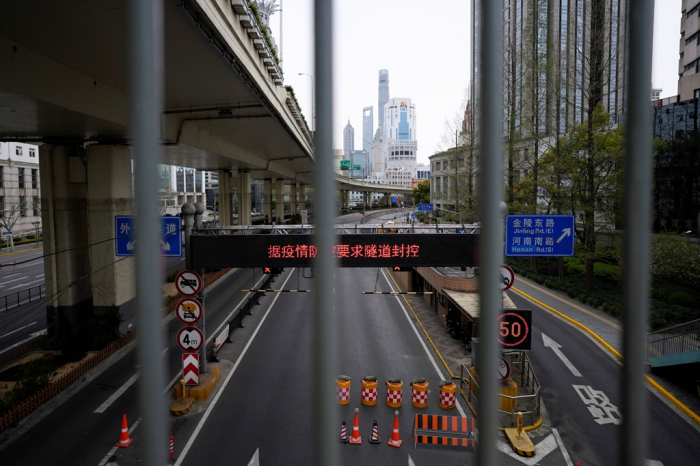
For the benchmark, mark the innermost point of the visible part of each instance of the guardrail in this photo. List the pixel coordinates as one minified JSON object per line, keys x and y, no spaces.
{"x":20,"y":297}
{"x":525,"y":404}
{"x":674,"y":340}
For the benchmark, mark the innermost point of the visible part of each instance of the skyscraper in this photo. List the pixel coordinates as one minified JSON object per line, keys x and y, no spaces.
{"x":400,"y":145}
{"x":383,"y":94}
{"x":367,"y":128}
{"x":348,"y":140}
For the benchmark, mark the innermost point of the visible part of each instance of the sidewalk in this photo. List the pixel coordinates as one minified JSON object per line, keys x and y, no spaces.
{"x":678,"y":381}
{"x":31,"y":247}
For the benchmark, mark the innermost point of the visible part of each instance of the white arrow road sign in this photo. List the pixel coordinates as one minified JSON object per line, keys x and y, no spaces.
{"x":164,"y":245}
{"x":131,"y":245}
{"x":548,"y":342}
{"x":255,"y":460}
{"x":566,"y":232}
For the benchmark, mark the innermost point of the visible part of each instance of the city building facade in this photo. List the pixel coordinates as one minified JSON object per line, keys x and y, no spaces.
{"x":689,"y":51}
{"x":20,"y":188}
{"x":367,"y":129}
{"x":400,"y":145}
{"x":179,"y":185}
{"x":383,"y":94}
{"x":348,"y":140}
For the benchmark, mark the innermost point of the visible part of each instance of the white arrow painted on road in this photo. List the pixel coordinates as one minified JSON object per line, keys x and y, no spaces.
{"x":566,"y":232}
{"x":165,"y":246}
{"x":542,"y":449}
{"x":548,"y":342}
{"x":255,"y":460}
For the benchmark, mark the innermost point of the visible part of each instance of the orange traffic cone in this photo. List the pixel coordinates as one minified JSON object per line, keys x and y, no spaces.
{"x":395,"y":441}
{"x":355,"y":437}
{"x":124,"y":440}
{"x":343,"y":434}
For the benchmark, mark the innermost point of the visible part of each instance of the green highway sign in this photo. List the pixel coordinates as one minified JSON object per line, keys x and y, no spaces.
{"x":345,"y":165}
{"x":357,"y":167}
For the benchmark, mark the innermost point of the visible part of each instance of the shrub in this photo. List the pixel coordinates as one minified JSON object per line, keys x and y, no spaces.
{"x":606,"y":306}
{"x":571,"y":291}
{"x":543,"y":270}
{"x":683,"y":299}
{"x":676,"y":260}
{"x":595,"y":302}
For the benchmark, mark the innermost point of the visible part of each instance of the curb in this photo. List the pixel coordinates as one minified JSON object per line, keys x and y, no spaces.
{"x":22,"y":252}
{"x":687,"y":411}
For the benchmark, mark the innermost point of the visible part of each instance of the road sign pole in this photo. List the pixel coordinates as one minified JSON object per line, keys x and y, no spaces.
{"x":188,"y":211}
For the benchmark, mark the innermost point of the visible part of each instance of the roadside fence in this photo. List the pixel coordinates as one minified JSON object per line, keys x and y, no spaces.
{"x":20,"y":297}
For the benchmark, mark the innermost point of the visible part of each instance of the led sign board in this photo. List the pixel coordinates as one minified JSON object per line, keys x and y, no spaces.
{"x":395,"y":250}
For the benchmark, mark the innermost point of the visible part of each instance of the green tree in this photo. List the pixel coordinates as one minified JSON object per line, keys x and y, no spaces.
{"x":585,"y":179}
{"x":421,"y":194}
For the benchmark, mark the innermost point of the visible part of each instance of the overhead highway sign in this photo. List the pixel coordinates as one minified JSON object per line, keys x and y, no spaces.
{"x":540,"y":235}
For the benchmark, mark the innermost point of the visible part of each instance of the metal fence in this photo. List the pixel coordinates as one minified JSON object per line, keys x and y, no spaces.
{"x":20,"y":297}
{"x":674,"y":340}
{"x":526,"y":378}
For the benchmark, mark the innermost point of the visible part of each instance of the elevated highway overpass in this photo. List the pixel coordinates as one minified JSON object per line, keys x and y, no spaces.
{"x":63,"y":84}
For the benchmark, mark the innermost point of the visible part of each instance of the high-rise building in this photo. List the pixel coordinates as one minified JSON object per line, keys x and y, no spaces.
{"x":367,"y":129}
{"x":400,"y":144}
{"x":383,"y":94}
{"x":360,"y":158}
{"x":570,"y":52}
{"x":337,"y":158}
{"x":348,"y":140}
{"x":377,"y":157}
{"x":689,"y":61}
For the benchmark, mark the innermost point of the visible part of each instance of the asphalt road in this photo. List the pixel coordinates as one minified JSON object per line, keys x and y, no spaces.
{"x":672,"y":441}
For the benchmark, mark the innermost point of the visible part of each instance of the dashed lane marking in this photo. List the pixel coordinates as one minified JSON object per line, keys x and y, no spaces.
{"x":25,"y":284}
{"x":117,"y":394}
{"x":17,"y":330}
{"x":255,"y":460}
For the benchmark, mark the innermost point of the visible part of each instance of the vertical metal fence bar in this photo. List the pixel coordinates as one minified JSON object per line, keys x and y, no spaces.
{"x":637,"y":208}
{"x":325,"y":411}
{"x":145,"y":22}
{"x":490,"y":103}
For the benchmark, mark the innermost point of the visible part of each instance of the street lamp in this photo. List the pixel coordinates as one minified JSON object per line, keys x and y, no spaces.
{"x":313,"y":91}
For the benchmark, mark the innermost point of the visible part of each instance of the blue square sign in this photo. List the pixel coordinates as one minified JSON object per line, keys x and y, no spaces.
{"x":424,"y":207}
{"x":540,"y":235}
{"x":125,"y":240}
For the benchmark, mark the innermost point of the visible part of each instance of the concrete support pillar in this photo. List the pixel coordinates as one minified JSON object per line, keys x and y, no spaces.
{"x":225,"y":199}
{"x":267,"y":201}
{"x":302,"y":197}
{"x":244,"y":198}
{"x":109,"y":193}
{"x":293,"y":199}
{"x":345,"y":203}
{"x":279,"y":201}
{"x":64,"y":219}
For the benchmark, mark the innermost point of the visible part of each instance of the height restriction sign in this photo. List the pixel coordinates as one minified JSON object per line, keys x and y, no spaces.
{"x":188,"y":283}
{"x":190,"y":339}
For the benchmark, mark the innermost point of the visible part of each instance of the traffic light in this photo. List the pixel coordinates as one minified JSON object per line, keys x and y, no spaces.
{"x":272,"y":270}
{"x":402,"y":269}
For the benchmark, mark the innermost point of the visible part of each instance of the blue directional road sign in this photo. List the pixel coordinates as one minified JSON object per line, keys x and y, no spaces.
{"x":413,"y":215}
{"x":540,"y":235}
{"x":125,"y":239}
{"x":423,"y":207}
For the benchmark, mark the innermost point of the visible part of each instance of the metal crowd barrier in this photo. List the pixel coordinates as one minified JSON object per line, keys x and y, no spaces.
{"x":34,"y":293}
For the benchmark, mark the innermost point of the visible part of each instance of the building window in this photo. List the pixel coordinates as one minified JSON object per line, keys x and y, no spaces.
{"x":22,"y":206}
{"x":32,"y":152}
{"x":35,"y":207}
{"x":34,"y":177}
{"x":18,"y":151}
{"x":2,"y":169}
{"x":20,"y":176}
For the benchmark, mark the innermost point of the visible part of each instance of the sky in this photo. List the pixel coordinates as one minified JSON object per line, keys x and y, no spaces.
{"x":425,"y":47}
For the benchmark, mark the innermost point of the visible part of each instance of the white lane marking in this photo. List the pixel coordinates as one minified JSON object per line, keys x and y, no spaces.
{"x":542,"y":449}
{"x":228,"y":317}
{"x":255,"y":460}
{"x":653,"y":463}
{"x":114,"y":449}
{"x":117,"y":394}
{"x":193,"y":437}
{"x":12,"y":275}
{"x":40,"y":275}
{"x":567,"y":458}
{"x":25,"y":284}
{"x":30,"y":338}
{"x":410,"y":461}
{"x":183,"y":258}
{"x":10,"y":281}
{"x":28,"y":325}
{"x":549,"y":343}
{"x":430,"y":356}
{"x":162,"y":353}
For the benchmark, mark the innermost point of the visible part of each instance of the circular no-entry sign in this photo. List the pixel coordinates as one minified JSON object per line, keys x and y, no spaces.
{"x":503,"y":369}
{"x":188,"y":283}
{"x":507,"y":278}
{"x":190,"y":339}
{"x":189,"y":311}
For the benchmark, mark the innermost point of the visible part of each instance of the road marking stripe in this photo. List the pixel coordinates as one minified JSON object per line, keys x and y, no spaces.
{"x":194,"y":435}
{"x":25,"y":284}
{"x":114,"y":449}
{"x":427,"y":351}
{"x":117,"y":394}
{"x":28,"y":325}
{"x":30,"y":338}
{"x":10,"y":281}
{"x":40,"y":275}
{"x":567,"y":458}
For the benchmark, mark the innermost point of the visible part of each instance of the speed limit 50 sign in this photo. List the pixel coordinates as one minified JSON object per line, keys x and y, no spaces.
{"x":515,"y":329}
